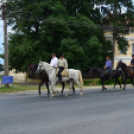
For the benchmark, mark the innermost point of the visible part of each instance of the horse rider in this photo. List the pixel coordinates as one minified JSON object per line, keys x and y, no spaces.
{"x":54,"y":60}
{"x":108,"y":66}
{"x":62,"y":64}
{"x":132,"y":63}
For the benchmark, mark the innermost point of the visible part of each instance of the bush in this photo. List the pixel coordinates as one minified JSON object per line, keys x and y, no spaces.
{"x":98,"y":81}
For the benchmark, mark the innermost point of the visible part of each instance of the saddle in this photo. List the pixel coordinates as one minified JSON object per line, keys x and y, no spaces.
{"x":64,"y":73}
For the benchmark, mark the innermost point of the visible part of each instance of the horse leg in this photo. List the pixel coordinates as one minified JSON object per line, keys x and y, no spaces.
{"x":124,"y":81}
{"x":63,"y":85}
{"x":81,"y":93}
{"x":119,"y":83}
{"x":47,"y":86}
{"x":114,"y":84}
{"x":132,"y":80}
{"x":39,"y":91}
{"x":53,"y":88}
{"x":73,"y":89}
{"x":102,"y":85}
{"x":102,"y":82}
{"x":71,"y":86}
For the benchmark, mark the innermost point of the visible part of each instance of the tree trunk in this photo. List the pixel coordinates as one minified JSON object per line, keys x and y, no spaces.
{"x":113,"y":49}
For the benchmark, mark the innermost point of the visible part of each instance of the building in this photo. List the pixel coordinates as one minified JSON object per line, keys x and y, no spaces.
{"x":118,"y":55}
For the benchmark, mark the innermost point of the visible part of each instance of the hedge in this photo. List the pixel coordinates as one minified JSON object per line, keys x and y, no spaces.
{"x":98,"y":82}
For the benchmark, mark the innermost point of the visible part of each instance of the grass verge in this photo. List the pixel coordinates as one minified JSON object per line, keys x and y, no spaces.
{"x":26,"y":87}
{"x":18,"y":87}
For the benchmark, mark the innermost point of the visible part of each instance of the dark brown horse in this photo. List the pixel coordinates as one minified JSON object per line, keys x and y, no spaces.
{"x":128,"y":74}
{"x":44,"y":79}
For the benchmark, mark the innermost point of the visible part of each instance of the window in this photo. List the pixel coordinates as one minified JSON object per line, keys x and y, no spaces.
{"x":123,"y":51}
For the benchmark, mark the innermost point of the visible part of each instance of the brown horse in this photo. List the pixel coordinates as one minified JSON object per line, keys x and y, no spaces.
{"x":128,"y":74}
{"x":44,"y":79}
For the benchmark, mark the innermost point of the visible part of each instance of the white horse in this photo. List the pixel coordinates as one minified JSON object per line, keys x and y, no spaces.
{"x":73,"y":74}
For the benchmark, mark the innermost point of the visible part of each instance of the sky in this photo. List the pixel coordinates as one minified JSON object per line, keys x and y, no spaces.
{"x":2,"y":39}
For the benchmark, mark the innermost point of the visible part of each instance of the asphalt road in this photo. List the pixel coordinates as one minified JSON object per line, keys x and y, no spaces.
{"x":96,"y":112}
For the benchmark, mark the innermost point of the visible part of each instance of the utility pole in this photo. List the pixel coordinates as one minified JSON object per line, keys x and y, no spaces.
{"x":4,"y":17}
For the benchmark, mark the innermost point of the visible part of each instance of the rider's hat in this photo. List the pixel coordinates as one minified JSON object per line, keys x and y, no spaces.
{"x":53,"y":54}
{"x":62,"y":54}
{"x":132,"y":55}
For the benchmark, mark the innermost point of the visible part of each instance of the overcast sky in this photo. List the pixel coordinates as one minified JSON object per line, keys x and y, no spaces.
{"x":1,"y":41}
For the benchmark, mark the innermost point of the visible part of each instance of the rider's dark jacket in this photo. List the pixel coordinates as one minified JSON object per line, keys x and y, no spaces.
{"x":132,"y":62}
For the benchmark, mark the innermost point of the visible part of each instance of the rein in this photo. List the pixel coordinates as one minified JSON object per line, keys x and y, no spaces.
{"x":50,"y":70}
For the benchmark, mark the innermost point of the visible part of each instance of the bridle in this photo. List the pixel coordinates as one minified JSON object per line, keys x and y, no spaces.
{"x":50,"y":70}
{"x":47,"y":71}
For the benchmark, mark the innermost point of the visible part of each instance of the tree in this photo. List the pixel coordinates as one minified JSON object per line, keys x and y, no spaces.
{"x":55,"y":26}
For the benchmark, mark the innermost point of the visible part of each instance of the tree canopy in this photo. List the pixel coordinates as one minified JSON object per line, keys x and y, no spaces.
{"x":119,"y":14}
{"x":60,"y":26}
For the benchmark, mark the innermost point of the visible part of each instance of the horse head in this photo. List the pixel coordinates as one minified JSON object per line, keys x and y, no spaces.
{"x":40,"y":67}
{"x":92,"y":71}
{"x":32,"y":68}
{"x":120,"y":65}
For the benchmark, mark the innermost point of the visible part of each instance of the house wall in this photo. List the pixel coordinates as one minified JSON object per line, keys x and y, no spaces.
{"x":23,"y":77}
{"x":18,"y":76}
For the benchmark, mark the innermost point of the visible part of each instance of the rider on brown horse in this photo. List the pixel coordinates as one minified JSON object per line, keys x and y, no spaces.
{"x":132,"y":64}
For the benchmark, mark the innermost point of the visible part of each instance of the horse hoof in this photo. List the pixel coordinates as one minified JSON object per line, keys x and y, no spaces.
{"x":113,"y":89}
{"x":52,"y":95}
{"x":66,"y":95}
{"x":81,"y":93}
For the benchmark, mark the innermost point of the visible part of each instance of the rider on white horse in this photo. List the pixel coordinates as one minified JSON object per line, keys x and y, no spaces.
{"x":54,"y":60}
{"x":62,"y":64}
{"x":72,"y":75}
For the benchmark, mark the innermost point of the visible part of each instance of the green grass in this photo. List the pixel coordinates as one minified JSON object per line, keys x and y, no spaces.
{"x":89,"y":82}
{"x":18,"y":87}
{"x":24,"y":87}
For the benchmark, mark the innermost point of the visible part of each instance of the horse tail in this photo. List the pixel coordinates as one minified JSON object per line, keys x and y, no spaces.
{"x":80,"y":79}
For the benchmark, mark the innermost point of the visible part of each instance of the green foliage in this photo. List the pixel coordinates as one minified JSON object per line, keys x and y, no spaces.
{"x":1,"y":67}
{"x":98,"y":82}
{"x":123,"y":44}
{"x":42,"y":27}
{"x":120,"y":18}
{"x":2,"y":56}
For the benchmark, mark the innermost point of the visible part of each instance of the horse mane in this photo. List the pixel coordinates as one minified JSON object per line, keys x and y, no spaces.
{"x":98,"y":68}
{"x":124,"y":64}
{"x":47,"y":64}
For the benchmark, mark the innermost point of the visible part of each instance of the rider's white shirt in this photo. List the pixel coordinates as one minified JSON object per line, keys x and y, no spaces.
{"x":54,"y":61}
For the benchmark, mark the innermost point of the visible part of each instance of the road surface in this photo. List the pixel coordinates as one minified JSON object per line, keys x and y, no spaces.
{"x":96,"y":112}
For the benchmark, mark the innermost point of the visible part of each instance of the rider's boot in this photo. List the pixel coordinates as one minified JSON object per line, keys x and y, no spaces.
{"x":60,"y":79}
